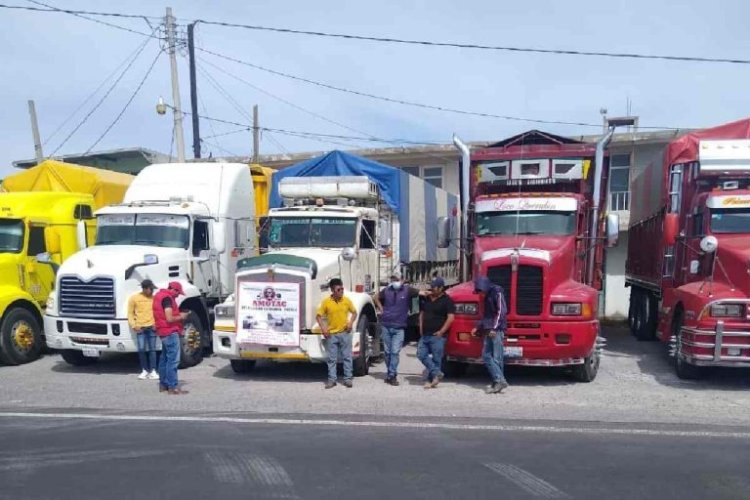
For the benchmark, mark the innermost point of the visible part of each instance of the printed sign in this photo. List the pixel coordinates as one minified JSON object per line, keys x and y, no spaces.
{"x":736,"y":201}
{"x":532,"y":204}
{"x":268,"y":313}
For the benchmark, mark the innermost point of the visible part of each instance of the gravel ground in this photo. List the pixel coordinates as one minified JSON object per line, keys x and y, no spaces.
{"x":636,"y":383}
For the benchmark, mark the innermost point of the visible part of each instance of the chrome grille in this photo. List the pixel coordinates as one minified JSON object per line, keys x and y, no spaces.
{"x":500,"y":275}
{"x":529,"y":290}
{"x":87,"y":299}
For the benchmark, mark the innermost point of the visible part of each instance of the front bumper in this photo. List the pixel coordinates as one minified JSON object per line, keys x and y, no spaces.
{"x":724,"y":345}
{"x":112,"y":335}
{"x":310,"y":348}
{"x":535,"y":343}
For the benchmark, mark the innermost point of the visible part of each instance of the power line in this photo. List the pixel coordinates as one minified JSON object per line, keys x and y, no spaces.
{"x":226,"y":95}
{"x":127,"y":104}
{"x":84,"y":15}
{"x":104,"y":97}
{"x":621,"y":55}
{"x":275,"y":141}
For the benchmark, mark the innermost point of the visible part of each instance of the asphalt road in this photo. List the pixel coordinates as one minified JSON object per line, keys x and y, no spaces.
{"x":242,"y":456}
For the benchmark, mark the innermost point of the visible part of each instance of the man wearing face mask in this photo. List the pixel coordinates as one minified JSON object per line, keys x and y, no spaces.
{"x":393,"y":303}
{"x":492,"y":326}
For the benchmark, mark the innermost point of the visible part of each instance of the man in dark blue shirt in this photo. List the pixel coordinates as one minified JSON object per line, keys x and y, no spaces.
{"x":492,"y":326}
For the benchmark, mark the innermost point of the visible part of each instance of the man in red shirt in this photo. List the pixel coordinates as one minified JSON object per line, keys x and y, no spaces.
{"x":168,"y":322}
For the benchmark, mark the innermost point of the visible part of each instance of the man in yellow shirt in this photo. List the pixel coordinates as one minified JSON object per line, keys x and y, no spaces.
{"x":336,"y":315}
{"x":141,"y":321}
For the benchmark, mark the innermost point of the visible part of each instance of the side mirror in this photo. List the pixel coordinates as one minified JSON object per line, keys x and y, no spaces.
{"x":219,"y":242}
{"x":51,"y":240}
{"x":671,"y":228}
{"x":444,"y":235}
{"x":81,"y":235}
{"x":385,"y":233}
{"x":613,"y":229}
{"x":348,"y":254}
{"x":46,"y":258}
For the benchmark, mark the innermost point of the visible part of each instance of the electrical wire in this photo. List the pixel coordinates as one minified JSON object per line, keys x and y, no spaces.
{"x":127,"y":104}
{"x":104,"y":97}
{"x":226,"y":95}
{"x":85,"y":14}
{"x":277,"y":142}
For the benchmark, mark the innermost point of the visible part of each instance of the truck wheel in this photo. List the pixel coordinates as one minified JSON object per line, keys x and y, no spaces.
{"x":588,"y":370}
{"x":646,"y":313}
{"x":454,"y":369}
{"x":191,"y":341}
{"x":20,"y":337}
{"x":242,"y":366}
{"x":362,"y":363}
{"x":683,"y":369}
{"x":76,"y":358}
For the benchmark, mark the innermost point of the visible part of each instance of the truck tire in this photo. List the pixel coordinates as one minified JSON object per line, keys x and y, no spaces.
{"x":588,"y":370}
{"x":20,"y":337}
{"x":242,"y":366}
{"x":362,"y":362}
{"x":76,"y":358}
{"x":647,"y":317}
{"x":683,"y":369}
{"x":191,"y":341}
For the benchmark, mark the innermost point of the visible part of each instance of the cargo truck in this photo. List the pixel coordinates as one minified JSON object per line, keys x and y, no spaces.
{"x":344,"y":217}
{"x":535,"y":229}
{"x":189,"y":223}
{"x":45,"y":210}
{"x":688,"y":264}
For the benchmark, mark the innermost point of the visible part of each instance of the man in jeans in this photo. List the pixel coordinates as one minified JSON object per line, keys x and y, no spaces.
{"x":336,"y":315}
{"x":492,"y":326}
{"x":168,"y":320}
{"x":435,"y":318}
{"x":394,"y":303}
{"x":141,"y":321}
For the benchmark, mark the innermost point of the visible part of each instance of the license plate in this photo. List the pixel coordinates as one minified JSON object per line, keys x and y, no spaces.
{"x":90,"y":352}
{"x":734,"y":351}
{"x":513,"y":352}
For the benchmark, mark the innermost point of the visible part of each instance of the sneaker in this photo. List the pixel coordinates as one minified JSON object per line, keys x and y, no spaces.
{"x":394,"y":382}
{"x":428,"y":385}
{"x":330,"y":384}
{"x":436,"y":380}
{"x":153,"y":375}
{"x":143,"y":375}
{"x":496,"y":387}
{"x":348,"y":384}
{"x":387,"y":380}
{"x":163,"y":388}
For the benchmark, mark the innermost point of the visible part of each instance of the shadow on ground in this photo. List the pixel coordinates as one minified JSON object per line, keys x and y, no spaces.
{"x":117,"y":364}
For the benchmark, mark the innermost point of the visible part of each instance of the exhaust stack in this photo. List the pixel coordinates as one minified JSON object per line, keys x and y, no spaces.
{"x":465,"y":187}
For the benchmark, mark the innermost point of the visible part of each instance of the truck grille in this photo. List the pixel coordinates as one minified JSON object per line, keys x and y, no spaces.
{"x":87,"y":299}
{"x":529,"y":287}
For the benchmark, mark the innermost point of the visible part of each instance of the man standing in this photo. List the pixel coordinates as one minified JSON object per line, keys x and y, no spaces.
{"x":492,"y":326}
{"x":168,"y":320}
{"x":141,"y":321}
{"x":336,"y":315}
{"x":435,"y":318}
{"x":394,"y":303}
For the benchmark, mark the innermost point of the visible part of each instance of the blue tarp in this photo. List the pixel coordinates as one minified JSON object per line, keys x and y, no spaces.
{"x":341,"y":163}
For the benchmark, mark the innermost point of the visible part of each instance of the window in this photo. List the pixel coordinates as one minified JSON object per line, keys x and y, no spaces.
{"x":433,"y":175}
{"x":367,"y":234}
{"x":83,"y":212}
{"x":36,"y":241}
{"x":619,"y":182}
{"x":11,"y":235}
{"x":200,"y":237}
{"x":411,"y":171}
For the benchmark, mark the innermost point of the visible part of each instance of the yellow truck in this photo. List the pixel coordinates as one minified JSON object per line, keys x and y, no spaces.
{"x":262,"y":178}
{"x":47,"y":209}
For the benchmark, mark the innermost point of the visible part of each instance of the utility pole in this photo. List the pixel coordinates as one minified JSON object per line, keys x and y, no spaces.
{"x":179,"y":137}
{"x":194,"y":93}
{"x":256,"y":135}
{"x":35,"y":131}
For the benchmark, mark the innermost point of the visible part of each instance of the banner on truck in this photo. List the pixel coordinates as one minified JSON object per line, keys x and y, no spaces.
{"x":268,"y":313}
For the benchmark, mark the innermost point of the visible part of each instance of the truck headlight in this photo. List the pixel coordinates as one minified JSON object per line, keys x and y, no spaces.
{"x":727,"y":310}
{"x":467,"y":308}
{"x":566,"y":309}
{"x":51,"y":302}
{"x":223,"y":311}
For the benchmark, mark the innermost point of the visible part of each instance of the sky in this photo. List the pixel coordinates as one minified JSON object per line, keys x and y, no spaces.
{"x":60,"y":60}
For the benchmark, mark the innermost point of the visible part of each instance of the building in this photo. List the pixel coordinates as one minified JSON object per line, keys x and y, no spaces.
{"x":126,"y":160}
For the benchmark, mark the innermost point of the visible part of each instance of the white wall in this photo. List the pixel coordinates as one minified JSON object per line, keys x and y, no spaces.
{"x":616,"y":296}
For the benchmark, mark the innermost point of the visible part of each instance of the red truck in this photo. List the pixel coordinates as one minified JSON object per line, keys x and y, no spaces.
{"x":688,"y":263}
{"x":535,"y":229}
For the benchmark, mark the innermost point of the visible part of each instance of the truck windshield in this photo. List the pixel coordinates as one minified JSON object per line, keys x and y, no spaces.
{"x":730,"y":221}
{"x":159,"y":230}
{"x":312,"y":232}
{"x":11,"y":235}
{"x":526,"y":222}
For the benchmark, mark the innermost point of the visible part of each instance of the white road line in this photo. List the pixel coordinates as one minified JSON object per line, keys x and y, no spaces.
{"x":527,"y":481}
{"x":55,"y":459}
{"x":389,"y":425}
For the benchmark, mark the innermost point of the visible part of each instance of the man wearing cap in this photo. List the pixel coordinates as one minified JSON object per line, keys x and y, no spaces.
{"x":492,"y":326}
{"x":141,"y":321}
{"x":336,"y":315}
{"x":168,"y":320}
{"x":394,"y":302}
{"x":435,"y":318}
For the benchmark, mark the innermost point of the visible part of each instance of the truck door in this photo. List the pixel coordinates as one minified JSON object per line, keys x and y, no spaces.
{"x":39,"y":277}
{"x":204,"y":269}
{"x":695,"y":263}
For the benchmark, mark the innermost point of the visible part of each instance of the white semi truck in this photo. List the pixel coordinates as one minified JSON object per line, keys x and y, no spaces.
{"x":332,"y":227}
{"x":186,"y":222}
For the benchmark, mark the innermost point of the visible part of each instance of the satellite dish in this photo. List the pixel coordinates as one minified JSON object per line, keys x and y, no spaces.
{"x":709,"y":244}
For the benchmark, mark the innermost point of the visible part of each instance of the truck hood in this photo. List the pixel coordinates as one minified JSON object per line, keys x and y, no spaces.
{"x":553,"y":247}
{"x":114,"y":260}
{"x":734,"y":256}
{"x":327,"y":261}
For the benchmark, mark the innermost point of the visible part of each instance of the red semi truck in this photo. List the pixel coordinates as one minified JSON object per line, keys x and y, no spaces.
{"x":536,"y":230}
{"x":688,"y":264}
